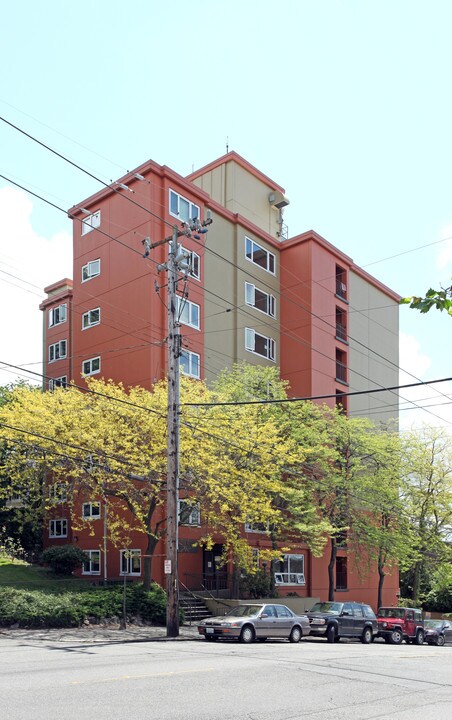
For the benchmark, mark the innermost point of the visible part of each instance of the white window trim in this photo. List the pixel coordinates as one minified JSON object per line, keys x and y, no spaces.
{"x":194,"y":516}
{"x":58,"y":345}
{"x":192,"y":255}
{"x":136,"y":553}
{"x":90,"y":515}
{"x":191,"y":206}
{"x":62,"y":311}
{"x":250,"y":299}
{"x":91,"y":372}
{"x":265,"y":269}
{"x":58,"y":492}
{"x":271,"y":344}
{"x":52,"y":533}
{"x":90,"y":222}
{"x":87,"y":316}
{"x":291,"y":578}
{"x":190,"y":355}
{"x":59,"y":382}
{"x":90,"y":571}
{"x":252,"y":528}
{"x":183,"y":303}
{"x":90,"y":275}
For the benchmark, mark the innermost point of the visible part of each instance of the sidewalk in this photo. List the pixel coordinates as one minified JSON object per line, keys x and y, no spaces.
{"x":99,"y":634}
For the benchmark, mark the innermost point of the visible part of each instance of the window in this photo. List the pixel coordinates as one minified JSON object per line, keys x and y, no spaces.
{"x":57,"y":315}
{"x":182,"y":208}
{"x":90,"y":222}
{"x":290,"y":571}
{"x":57,"y":351}
{"x":58,"y":382}
{"x":58,"y":528}
{"x":255,"y":557}
{"x":341,"y":365}
{"x":259,"y":344}
{"x":259,"y":299}
{"x":341,"y":283}
{"x":257,"y":527}
{"x":91,"y":511}
{"x":341,"y":401}
{"x":90,"y":318}
{"x":189,"y":514}
{"x":92,"y":566}
{"x":91,"y":270}
{"x":130,"y":562}
{"x":341,"y":573}
{"x":190,"y":363}
{"x":188,"y":312}
{"x":368,"y":612}
{"x":341,"y":324}
{"x":58,"y":492}
{"x":194,"y":262}
{"x":91,"y":367}
{"x":259,"y":255}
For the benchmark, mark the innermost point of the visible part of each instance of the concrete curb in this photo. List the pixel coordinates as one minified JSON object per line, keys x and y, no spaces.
{"x":93,"y":634}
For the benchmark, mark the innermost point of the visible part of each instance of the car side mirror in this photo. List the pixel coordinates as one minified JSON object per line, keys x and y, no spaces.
{"x":446,"y":626}
{"x":263,"y":615}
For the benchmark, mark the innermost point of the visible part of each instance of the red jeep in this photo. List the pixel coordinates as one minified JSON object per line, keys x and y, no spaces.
{"x":397,"y":623}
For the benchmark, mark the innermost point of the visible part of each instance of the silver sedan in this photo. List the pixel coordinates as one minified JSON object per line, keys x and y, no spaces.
{"x":257,"y":621}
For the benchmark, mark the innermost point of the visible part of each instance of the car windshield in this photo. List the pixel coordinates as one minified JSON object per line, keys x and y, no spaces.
{"x":398,"y":613}
{"x":433,"y":624}
{"x":329,"y":607}
{"x":244,"y":610}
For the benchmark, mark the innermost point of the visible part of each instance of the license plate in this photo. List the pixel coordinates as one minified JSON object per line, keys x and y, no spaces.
{"x":209,"y":630}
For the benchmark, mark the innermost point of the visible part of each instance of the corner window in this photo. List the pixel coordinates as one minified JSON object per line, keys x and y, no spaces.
{"x":91,"y":511}
{"x":57,"y":351}
{"x":58,"y":528}
{"x":189,"y":514}
{"x":188,"y":312}
{"x":259,"y":344}
{"x":92,"y":566}
{"x":182,"y":208}
{"x":90,"y":318}
{"x":190,"y":363}
{"x":258,"y":255}
{"x":290,"y":570}
{"x":57,"y":315}
{"x":90,"y":270}
{"x":130,"y":562}
{"x":90,"y":222}
{"x":91,"y":366}
{"x":259,"y":299}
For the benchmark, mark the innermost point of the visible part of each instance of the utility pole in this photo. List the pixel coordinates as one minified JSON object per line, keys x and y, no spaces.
{"x":178,"y":262}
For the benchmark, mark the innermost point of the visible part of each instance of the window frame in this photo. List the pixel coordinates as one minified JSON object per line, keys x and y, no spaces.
{"x":90,"y":515}
{"x":52,"y":525}
{"x":57,"y":492}
{"x":134,"y":553}
{"x":190,"y":354}
{"x":58,"y":382}
{"x":183,"y":303}
{"x":90,"y":275}
{"x":341,"y":573}
{"x":271,"y":345}
{"x":194,"y":514}
{"x":90,"y":563}
{"x":268,"y":253}
{"x":250,"y":288}
{"x":91,"y":372}
{"x":178,"y":213}
{"x":286,"y":577}
{"x":54,"y":315}
{"x":86,"y":316}
{"x":90,"y":222}
{"x":53,"y":350}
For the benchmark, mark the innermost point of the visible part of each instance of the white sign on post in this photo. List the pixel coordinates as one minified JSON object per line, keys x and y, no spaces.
{"x":167,"y":567}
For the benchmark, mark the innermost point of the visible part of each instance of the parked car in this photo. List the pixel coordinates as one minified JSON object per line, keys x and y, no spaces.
{"x":438,"y":632}
{"x":257,"y":621}
{"x":334,"y":620}
{"x":399,"y":623}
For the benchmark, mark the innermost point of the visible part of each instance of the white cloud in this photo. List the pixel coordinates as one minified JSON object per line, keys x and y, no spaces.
{"x":28,"y":262}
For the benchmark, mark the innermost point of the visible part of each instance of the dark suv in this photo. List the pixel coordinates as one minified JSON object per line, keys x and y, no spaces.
{"x":400,"y":623}
{"x":334,"y":620}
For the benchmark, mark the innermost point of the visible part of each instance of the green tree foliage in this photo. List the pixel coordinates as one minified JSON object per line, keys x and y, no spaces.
{"x":439,"y":299}
{"x":64,"y":559}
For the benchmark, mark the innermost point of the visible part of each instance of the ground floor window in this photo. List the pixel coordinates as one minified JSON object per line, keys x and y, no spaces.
{"x":92,"y":566}
{"x":290,"y":570}
{"x":130,"y":562}
{"x":341,"y":573}
{"x":58,"y":528}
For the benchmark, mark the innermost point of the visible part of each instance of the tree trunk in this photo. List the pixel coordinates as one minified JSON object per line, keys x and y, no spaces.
{"x":331,"y":568}
{"x":381,"y":580}
{"x":147,"y":561}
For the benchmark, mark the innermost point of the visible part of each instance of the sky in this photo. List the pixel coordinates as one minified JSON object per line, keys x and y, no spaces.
{"x":345,"y":103}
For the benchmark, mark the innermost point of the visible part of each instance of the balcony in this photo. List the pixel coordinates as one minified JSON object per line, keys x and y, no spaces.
{"x":341,"y":332}
{"x":341,"y":371}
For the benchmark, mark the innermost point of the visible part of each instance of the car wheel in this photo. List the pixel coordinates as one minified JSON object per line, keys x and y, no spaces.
{"x":331,"y":634}
{"x":247,"y":634}
{"x":419,"y":639}
{"x":440,"y":641}
{"x":396,"y":637}
{"x":366,"y":637}
{"x":295,"y":635}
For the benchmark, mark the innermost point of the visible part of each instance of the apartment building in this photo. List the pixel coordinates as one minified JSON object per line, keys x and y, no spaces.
{"x":254,"y":294}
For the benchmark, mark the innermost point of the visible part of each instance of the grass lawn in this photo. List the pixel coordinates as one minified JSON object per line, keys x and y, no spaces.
{"x":32,"y":577}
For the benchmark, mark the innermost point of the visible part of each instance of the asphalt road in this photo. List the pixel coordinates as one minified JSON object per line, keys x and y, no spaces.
{"x":196,"y":680}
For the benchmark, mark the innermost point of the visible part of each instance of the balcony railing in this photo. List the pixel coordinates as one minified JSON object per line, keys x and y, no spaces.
{"x":341,"y":288}
{"x":341,"y":371}
{"x":341,"y":331}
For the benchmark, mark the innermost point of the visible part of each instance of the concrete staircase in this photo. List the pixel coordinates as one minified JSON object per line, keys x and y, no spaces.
{"x":193,"y":607}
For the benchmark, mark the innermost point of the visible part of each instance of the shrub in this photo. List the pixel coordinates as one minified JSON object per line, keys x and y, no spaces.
{"x":257,"y":585}
{"x":64,"y":559}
